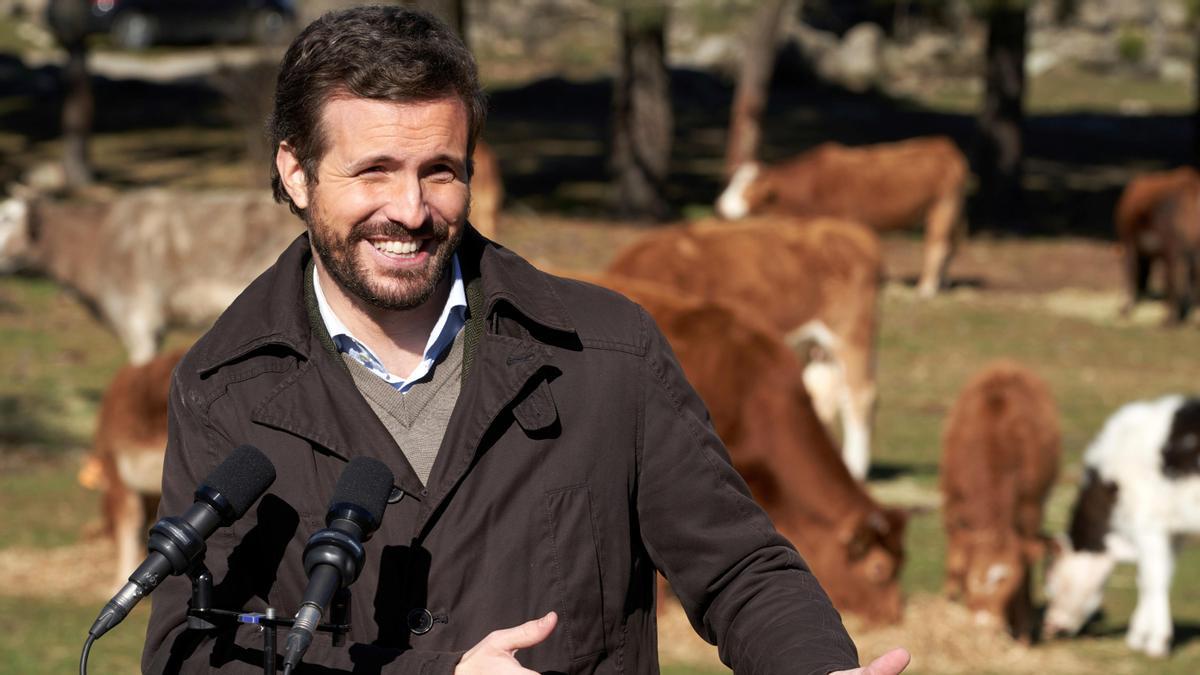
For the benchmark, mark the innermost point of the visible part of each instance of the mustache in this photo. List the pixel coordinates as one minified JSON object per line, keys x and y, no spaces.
{"x":393,"y":230}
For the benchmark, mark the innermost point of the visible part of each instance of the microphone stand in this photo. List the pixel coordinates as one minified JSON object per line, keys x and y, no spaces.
{"x":203,"y":616}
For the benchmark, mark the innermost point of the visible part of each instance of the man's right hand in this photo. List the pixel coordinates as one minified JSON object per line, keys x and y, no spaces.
{"x":496,"y":652}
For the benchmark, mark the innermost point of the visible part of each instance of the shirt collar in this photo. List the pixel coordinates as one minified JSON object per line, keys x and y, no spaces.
{"x":449,"y":323}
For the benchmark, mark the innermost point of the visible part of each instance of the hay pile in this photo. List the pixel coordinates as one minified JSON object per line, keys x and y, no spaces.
{"x":944,"y":639}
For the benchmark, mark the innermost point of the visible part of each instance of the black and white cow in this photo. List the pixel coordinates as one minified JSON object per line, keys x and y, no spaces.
{"x":1141,"y":490}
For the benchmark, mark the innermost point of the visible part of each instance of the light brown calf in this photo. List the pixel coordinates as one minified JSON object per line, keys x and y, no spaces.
{"x":751,"y":383}
{"x":920,"y":181}
{"x":127,"y":455}
{"x":1000,"y":456}
{"x":816,"y":280}
{"x":1141,"y":239}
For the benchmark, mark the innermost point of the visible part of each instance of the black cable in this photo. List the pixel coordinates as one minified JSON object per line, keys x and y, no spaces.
{"x":87,"y":649}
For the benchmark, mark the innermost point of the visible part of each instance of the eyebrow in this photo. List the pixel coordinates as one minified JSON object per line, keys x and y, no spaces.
{"x":384,"y":158}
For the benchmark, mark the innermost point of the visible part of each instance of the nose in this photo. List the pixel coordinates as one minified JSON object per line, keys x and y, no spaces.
{"x":404,"y":202}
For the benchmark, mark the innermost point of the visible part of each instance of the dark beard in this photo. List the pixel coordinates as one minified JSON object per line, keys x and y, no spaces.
{"x":339,"y":258}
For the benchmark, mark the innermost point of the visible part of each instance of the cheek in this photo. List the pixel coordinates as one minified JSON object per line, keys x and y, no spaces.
{"x":449,"y":200}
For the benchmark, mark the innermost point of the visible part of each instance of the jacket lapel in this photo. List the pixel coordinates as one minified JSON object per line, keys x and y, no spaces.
{"x":510,"y":372}
{"x":320,"y":404}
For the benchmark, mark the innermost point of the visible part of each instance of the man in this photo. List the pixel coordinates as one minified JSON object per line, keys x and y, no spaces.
{"x":549,"y":455}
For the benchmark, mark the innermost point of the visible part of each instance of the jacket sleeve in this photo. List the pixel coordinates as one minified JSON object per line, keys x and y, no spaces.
{"x":194,"y":448}
{"x":742,"y":584}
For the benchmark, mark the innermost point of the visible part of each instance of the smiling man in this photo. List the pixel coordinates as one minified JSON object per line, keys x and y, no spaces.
{"x":549,"y":455}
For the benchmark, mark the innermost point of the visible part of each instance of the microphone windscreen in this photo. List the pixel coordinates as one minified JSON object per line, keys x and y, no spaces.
{"x":242,"y":478}
{"x":365,"y":482}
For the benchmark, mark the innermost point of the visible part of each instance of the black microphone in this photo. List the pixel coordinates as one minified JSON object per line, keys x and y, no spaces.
{"x":175,"y":542}
{"x":333,"y":557}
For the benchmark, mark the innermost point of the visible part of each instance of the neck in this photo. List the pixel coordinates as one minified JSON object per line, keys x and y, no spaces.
{"x":397,"y":337}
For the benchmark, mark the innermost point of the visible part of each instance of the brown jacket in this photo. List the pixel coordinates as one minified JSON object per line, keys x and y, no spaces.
{"x":577,"y":462}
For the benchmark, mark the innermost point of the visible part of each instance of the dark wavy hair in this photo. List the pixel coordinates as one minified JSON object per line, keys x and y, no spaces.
{"x":381,"y":52}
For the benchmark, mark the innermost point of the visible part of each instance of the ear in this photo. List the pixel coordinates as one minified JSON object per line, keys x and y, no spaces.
{"x":291,"y":174}
{"x":858,"y":536}
{"x":1037,"y":548}
{"x":21,"y":191}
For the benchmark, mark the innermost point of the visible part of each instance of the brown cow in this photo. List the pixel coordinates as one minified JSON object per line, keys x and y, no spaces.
{"x":1142,"y":239}
{"x":885,"y":186}
{"x":1175,"y":224}
{"x":487,"y":190}
{"x":1000,"y":455}
{"x":815,"y":279}
{"x":751,"y":382}
{"x":127,"y":454}
{"x":149,"y":259}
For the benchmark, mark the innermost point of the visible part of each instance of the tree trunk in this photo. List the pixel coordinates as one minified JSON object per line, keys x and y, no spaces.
{"x":750,"y":95}
{"x":67,"y":19}
{"x":642,"y":118}
{"x":1196,"y":96}
{"x":1002,"y":119}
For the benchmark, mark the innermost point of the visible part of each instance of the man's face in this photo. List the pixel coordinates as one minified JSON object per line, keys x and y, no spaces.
{"x":391,"y":196}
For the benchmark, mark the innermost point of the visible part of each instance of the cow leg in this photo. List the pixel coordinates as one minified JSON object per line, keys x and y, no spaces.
{"x":138,"y":326}
{"x":129,"y":521}
{"x":1137,"y":276}
{"x":1150,"y":628}
{"x":956,"y":567}
{"x":858,"y":408}
{"x":1177,"y":282}
{"x":940,"y":226}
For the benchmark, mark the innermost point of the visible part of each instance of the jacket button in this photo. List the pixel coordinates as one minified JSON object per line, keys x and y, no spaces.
{"x":396,"y":495}
{"x":420,"y":621}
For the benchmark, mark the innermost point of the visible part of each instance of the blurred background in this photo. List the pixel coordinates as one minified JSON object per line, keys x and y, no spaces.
{"x":610,"y":119}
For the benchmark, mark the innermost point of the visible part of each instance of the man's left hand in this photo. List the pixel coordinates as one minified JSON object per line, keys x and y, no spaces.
{"x":891,"y":663}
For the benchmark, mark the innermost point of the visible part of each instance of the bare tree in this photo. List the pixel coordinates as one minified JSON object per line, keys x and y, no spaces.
{"x":67,"y":19}
{"x":750,"y":94}
{"x":1001,"y":121}
{"x":642,"y":118}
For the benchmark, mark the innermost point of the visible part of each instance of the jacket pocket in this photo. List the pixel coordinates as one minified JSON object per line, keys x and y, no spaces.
{"x":574,"y":538}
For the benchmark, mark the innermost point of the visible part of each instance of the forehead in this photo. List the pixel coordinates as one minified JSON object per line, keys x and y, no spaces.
{"x":353,"y":126}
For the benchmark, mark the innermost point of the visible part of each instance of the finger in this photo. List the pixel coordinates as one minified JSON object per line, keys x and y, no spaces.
{"x":526,"y":635}
{"x":891,"y":663}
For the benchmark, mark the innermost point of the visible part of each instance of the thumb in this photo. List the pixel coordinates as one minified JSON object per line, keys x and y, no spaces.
{"x":891,"y":663}
{"x":526,"y":635}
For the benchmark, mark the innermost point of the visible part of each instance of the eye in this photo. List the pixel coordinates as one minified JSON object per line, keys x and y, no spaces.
{"x":442,"y":173}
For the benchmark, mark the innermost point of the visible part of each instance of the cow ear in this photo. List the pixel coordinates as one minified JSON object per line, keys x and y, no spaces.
{"x":21,"y":191}
{"x":864,"y":531}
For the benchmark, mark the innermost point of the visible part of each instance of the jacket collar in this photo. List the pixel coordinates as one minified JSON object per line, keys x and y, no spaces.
{"x":272,"y":310}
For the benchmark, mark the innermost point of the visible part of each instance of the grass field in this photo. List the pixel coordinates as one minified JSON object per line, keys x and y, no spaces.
{"x":56,"y":361}
{"x":1046,"y":302}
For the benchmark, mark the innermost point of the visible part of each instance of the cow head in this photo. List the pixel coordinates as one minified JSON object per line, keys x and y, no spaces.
{"x":1074,"y":588}
{"x":15,"y":232}
{"x":735,"y":202}
{"x":995,"y":569}
{"x":861,"y":573}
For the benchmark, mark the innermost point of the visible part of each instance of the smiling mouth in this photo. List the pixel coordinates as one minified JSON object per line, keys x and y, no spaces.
{"x":402,"y":249}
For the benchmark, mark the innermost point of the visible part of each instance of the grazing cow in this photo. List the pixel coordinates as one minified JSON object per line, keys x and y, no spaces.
{"x":149,"y":259}
{"x":1143,"y":237}
{"x":487,"y":190}
{"x":751,"y":383}
{"x":127,"y":454}
{"x":815,"y":279}
{"x":885,"y":186}
{"x":1000,"y":455}
{"x":1176,"y":224}
{"x":1140,"y":491}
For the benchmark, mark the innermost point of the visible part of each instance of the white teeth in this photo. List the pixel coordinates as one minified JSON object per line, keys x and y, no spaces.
{"x":397,"y":247}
